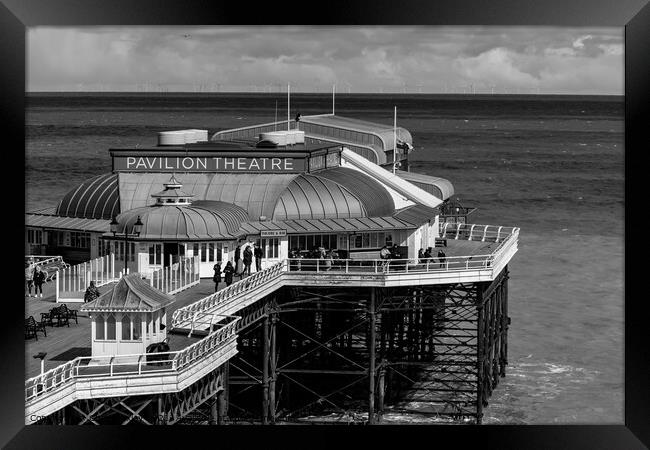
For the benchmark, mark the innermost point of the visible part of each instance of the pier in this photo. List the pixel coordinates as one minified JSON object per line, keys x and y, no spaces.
{"x":288,"y":343}
{"x":343,"y":319}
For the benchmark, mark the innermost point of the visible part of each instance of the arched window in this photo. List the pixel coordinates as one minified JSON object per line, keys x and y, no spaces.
{"x":99,"y":327}
{"x":137,"y":326}
{"x":126,"y":327}
{"x":110,"y":328}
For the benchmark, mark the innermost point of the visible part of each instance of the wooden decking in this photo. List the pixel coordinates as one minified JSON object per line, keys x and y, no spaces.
{"x":465,"y":248}
{"x":66,"y":343}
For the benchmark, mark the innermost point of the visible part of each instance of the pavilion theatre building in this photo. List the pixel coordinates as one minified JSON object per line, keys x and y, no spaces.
{"x":206,"y":198}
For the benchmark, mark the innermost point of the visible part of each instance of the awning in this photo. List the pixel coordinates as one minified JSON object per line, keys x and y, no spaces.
{"x":315,"y":226}
{"x":417,"y":214}
{"x":67,"y":223}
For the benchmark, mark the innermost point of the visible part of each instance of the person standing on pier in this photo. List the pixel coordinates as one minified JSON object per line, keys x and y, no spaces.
{"x":248,"y":260}
{"x":421,"y":256}
{"x":39,"y":279}
{"x":91,"y":293}
{"x":29,"y":278}
{"x":258,"y":258}
{"x":217,"y":276}
{"x":442,"y":258}
{"x":228,"y":272}
{"x":427,"y":255}
{"x":384,"y":254}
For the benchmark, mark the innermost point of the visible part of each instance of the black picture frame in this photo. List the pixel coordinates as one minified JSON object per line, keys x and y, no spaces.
{"x":634,"y":15}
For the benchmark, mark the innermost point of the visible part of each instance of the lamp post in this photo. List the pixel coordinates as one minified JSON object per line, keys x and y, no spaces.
{"x":41,"y":356}
{"x":135,"y":232}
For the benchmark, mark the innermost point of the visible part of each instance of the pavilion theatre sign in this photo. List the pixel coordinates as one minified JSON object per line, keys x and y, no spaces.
{"x":208,"y":164}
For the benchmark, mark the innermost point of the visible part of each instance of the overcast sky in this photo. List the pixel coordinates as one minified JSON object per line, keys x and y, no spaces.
{"x":357,"y":59}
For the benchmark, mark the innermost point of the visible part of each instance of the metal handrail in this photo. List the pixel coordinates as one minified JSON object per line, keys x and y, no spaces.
{"x":389,"y":266}
{"x":483,"y":232}
{"x":168,"y":362}
{"x":186,"y":313}
{"x":195,"y":314}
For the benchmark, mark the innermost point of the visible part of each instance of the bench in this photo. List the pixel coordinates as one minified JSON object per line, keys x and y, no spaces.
{"x":32,"y":327}
{"x":440,"y":242}
{"x":69,"y":313}
{"x":58,"y":314}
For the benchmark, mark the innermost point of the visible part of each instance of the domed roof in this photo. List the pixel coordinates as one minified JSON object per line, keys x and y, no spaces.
{"x":313,"y":197}
{"x":334,"y":193}
{"x":95,"y":198}
{"x":199,"y":221}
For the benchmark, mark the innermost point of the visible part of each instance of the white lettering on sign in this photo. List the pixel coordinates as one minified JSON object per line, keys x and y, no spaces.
{"x":212,"y":164}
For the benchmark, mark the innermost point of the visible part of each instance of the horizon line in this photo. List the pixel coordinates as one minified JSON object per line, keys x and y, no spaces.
{"x":483,"y":94}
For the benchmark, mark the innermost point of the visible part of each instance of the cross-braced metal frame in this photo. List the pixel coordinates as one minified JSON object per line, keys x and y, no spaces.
{"x":306,"y":352}
{"x":331,"y":353}
{"x":187,"y":406}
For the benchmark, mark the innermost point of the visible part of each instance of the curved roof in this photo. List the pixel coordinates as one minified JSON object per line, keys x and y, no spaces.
{"x":373,"y":195}
{"x":207,"y":221}
{"x":384,"y":132}
{"x":437,"y":186}
{"x":257,"y":194}
{"x":314,"y":197}
{"x":95,"y":198}
{"x":327,"y":194}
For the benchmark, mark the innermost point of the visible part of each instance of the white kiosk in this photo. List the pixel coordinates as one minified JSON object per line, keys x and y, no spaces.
{"x":128,"y":318}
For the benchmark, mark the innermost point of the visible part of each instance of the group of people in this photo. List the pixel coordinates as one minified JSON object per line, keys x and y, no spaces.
{"x":327,"y":256}
{"x":390,"y":253}
{"x":426,"y":256}
{"x":34,"y":276}
{"x":242,"y":266}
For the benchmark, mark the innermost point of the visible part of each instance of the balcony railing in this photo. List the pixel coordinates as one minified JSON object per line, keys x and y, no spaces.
{"x":195,"y":311}
{"x":132,"y":364}
{"x":200,"y":314}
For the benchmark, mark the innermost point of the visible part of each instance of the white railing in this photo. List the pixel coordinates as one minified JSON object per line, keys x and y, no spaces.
{"x":475,"y":232}
{"x":129,"y":365}
{"x":389,"y":266}
{"x":72,"y":281}
{"x":177,"y":276}
{"x":196,"y":311}
{"x":42,"y":260}
{"x":199,"y":313}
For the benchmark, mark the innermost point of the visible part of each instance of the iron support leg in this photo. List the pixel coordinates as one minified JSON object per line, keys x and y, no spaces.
{"x":265,"y":371}
{"x":273,"y":363}
{"x":371,"y":350}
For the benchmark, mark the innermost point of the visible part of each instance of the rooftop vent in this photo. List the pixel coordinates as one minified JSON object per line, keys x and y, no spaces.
{"x":284,"y":138}
{"x":181,"y":137}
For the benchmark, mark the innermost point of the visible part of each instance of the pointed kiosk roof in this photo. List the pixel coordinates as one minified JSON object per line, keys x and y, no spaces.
{"x":132,"y":294}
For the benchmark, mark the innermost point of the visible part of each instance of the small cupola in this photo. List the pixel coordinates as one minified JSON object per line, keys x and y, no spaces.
{"x":173,"y":195}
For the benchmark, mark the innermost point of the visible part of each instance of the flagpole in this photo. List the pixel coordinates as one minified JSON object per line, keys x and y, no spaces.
{"x":275,"y":124}
{"x":333,"y":91}
{"x":394,"y":139}
{"x":288,"y":105}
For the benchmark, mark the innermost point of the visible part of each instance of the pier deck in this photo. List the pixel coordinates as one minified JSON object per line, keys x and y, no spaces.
{"x":66,"y":343}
